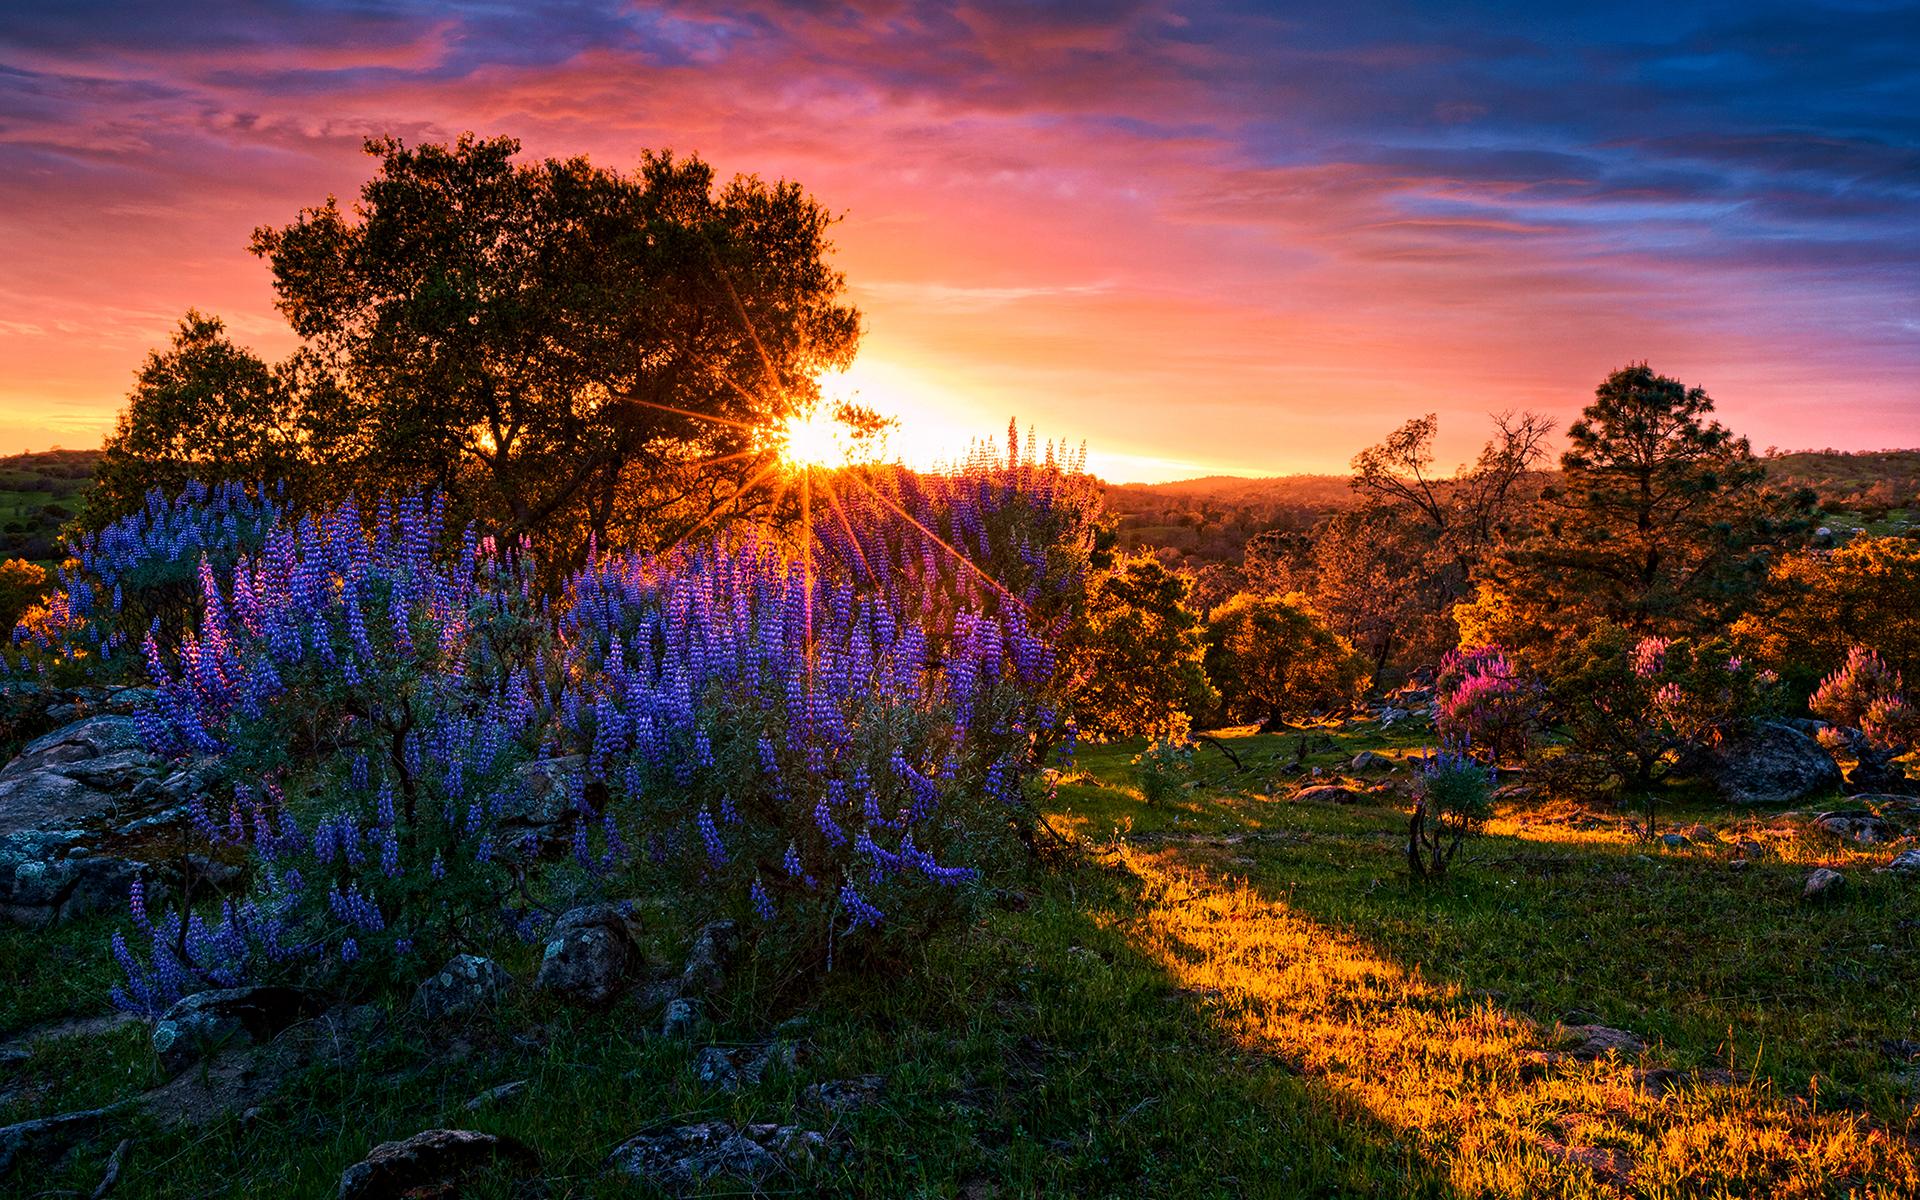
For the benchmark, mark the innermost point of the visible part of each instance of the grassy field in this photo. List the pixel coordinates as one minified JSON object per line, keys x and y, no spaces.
{"x":1234,"y":994}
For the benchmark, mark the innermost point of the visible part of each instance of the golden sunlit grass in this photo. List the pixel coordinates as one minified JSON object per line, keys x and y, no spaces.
{"x":1487,"y":1092}
{"x":1776,"y":1032}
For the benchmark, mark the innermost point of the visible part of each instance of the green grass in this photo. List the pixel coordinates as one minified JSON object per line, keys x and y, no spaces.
{"x":1232,"y":995}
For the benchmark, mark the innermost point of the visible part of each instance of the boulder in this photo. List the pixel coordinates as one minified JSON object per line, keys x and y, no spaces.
{"x":206,"y":1021}
{"x":1824,"y":883}
{"x":1773,"y":763}
{"x":690,"y":1155}
{"x":80,"y":809}
{"x":433,"y":1163}
{"x":591,"y":953}
{"x":1367,"y":760}
{"x":1328,"y":793}
{"x":731,"y":1069}
{"x":466,"y":983}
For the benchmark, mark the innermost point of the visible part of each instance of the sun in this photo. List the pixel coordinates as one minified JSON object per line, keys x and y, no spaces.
{"x":813,"y":439}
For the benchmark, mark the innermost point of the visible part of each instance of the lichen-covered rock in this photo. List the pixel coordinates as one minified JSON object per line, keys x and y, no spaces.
{"x":681,"y":1020}
{"x":591,"y":953}
{"x":467,"y":982}
{"x":81,"y":809}
{"x":1599,"y":1041}
{"x":1773,"y":763}
{"x":206,"y":1021}
{"x":434,"y":1162}
{"x":1907,"y":862}
{"x":1855,"y":826}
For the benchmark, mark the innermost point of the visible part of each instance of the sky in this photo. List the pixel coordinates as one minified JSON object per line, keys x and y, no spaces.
{"x":1200,"y":237}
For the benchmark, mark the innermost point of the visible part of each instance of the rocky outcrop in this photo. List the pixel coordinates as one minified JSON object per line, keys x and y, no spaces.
{"x":691,"y":1155}
{"x":206,"y":1022}
{"x":84,"y":811}
{"x":1773,"y":763}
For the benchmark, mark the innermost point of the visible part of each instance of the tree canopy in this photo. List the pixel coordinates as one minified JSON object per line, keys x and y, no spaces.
{"x":545,"y":341}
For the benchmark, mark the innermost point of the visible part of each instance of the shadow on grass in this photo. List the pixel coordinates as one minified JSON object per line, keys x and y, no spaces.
{"x":1040,"y":1051}
{"x":1437,"y":1009}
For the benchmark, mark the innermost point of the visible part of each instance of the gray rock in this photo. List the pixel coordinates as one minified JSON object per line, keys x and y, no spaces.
{"x":1905,"y":862}
{"x":80,"y":808}
{"x":1599,"y":1041}
{"x":681,"y":1020}
{"x":1773,"y":763}
{"x":743,"y":1066}
{"x":1674,"y":841}
{"x":690,"y":1155}
{"x":207,"y":1021}
{"x":46,"y":1135}
{"x":590,"y":954}
{"x":1855,"y":827}
{"x":1823,"y":884}
{"x":431,"y":1163}
{"x":467,"y":982}
{"x":1367,"y":760}
{"x":844,"y":1095}
{"x":707,"y":963}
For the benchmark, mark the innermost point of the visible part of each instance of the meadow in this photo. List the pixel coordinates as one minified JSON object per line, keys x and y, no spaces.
{"x":1235,"y":993}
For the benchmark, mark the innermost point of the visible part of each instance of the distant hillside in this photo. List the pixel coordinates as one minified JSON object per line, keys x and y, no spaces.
{"x":1869,"y":483}
{"x":1211,"y":519}
{"x":40,"y":493}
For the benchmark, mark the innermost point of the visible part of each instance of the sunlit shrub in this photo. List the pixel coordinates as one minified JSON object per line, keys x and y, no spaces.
{"x":1274,"y":659}
{"x":1485,"y":705}
{"x":139,"y":577}
{"x":1864,"y":702}
{"x":1165,"y":767}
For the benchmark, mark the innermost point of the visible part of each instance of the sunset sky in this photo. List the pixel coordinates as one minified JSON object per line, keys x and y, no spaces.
{"x":1202,"y":237}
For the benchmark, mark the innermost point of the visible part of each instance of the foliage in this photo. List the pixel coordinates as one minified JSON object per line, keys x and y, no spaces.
{"x":1165,"y":768}
{"x":1484,"y":705}
{"x":555,"y":346}
{"x":208,"y":411}
{"x":547,"y":340}
{"x":348,"y":681}
{"x":1134,"y":654}
{"x":1453,"y":798}
{"x":789,"y":748}
{"x":22,"y":584}
{"x":140,"y":577}
{"x":1818,"y":605}
{"x":1865,"y":702}
{"x":1274,"y":659}
{"x":1636,"y":708}
{"x":1661,"y":525}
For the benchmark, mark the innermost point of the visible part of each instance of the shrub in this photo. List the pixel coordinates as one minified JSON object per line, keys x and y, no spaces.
{"x":791,"y":750}
{"x":345,"y":681}
{"x":1636,"y":708}
{"x":1865,"y":703}
{"x":1133,"y":659}
{"x":1453,"y":798}
{"x":1274,"y":659}
{"x":139,"y":577}
{"x":1484,"y":705}
{"x":1165,"y":767}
